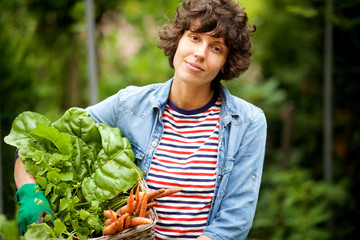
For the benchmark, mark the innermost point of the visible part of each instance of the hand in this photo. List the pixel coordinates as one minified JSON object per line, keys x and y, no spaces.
{"x":33,"y":206}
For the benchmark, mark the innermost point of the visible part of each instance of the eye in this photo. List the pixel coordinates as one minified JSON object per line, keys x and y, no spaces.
{"x":194,"y":38}
{"x":217,"y":49}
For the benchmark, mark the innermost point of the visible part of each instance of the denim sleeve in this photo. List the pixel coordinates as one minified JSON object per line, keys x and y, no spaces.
{"x":106,"y":110}
{"x":237,"y":208}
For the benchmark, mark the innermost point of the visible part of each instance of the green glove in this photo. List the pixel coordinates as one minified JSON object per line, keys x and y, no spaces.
{"x":33,"y":206}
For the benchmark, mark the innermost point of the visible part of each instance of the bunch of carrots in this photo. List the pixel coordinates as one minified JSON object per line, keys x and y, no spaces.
{"x":136,"y":212}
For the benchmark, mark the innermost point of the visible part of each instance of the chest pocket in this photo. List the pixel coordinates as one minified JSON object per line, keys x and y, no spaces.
{"x":139,"y":155}
{"x":227,"y":167}
{"x":224,"y":176}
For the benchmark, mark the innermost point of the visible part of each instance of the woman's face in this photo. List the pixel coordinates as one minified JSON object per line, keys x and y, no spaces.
{"x":199,"y":58}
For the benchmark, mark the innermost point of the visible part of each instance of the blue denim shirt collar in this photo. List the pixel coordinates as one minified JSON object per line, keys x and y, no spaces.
{"x":160,"y":96}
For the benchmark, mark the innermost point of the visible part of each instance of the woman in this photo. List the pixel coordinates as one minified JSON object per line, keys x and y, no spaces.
{"x":190,"y":132}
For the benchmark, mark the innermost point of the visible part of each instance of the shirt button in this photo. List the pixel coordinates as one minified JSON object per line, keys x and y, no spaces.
{"x":154,"y":144}
{"x":253,"y":177}
{"x":227,"y":117}
{"x":144,"y":172}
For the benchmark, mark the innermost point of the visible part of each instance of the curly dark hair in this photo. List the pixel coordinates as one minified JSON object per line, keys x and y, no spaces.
{"x":225,"y":18}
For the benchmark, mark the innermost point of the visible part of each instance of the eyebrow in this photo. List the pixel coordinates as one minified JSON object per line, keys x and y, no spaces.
{"x":208,"y":34}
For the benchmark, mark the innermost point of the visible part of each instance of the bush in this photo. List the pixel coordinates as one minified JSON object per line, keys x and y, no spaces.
{"x":294,"y":206}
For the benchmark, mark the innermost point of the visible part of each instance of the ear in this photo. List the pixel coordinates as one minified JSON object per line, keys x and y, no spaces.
{"x":222,"y":70}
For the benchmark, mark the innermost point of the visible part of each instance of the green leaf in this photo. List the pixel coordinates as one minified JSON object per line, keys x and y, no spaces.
{"x":61,"y":140}
{"x":67,"y":176}
{"x":64,"y":203}
{"x":82,"y":158}
{"x":95,"y":223}
{"x":33,"y":170}
{"x":119,"y":173}
{"x":59,"y":227}
{"x":84,"y":214}
{"x":41,"y":181}
{"x":48,"y":189}
{"x":54,"y":176}
{"x":23,"y":125}
{"x":67,"y":217}
{"x":39,"y":232}
{"x":47,"y":218}
{"x":77,"y":122}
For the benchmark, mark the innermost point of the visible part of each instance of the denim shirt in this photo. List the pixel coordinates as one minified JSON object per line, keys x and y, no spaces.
{"x":137,"y":112}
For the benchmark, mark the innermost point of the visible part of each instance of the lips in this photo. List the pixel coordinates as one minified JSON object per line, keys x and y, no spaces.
{"x":194,"y":66}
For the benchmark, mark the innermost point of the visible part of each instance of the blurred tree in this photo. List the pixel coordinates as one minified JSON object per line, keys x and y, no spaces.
{"x":346,"y":125}
{"x":289,"y":48}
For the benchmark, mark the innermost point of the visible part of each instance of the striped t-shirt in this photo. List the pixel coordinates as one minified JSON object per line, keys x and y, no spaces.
{"x":186,"y":158}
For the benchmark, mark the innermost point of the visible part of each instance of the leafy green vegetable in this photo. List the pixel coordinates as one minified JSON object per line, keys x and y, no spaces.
{"x":83,"y":167}
{"x":39,"y":231}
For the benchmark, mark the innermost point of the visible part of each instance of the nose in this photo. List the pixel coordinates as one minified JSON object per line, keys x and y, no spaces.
{"x":200,"y":52}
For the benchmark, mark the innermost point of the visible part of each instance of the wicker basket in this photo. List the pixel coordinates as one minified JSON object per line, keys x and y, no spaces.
{"x":140,"y":232}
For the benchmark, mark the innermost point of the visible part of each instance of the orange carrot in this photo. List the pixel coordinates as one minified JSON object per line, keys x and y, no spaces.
{"x":137,"y":197}
{"x":148,"y":206}
{"x":120,"y":224}
{"x":147,"y":214}
{"x":127,"y":222}
{"x":107,"y":213}
{"x":123,"y":217}
{"x":141,"y":196}
{"x":151,"y":205}
{"x":111,"y":229}
{"x":168,"y":192}
{"x":154,"y":193}
{"x":143,"y":206}
{"x":113,"y":216}
{"x":138,"y":221}
{"x":122,"y":210}
{"x":130,"y":202}
{"x":108,"y":222}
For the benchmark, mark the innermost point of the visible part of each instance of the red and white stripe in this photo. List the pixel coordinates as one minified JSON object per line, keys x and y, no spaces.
{"x":186,"y":157}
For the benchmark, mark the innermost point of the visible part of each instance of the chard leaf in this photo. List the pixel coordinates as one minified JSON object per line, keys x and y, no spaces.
{"x":118,"y":174}
{"x":82,"y":158}
{"x":77,"y":122}
{"x":61,"y":140}
{"x":23,"y":125}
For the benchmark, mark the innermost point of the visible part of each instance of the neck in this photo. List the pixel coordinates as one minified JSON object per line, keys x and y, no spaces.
{"x":190,"y":98}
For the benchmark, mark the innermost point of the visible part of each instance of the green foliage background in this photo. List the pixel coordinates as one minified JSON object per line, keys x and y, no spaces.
{"x":43,"y":68}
